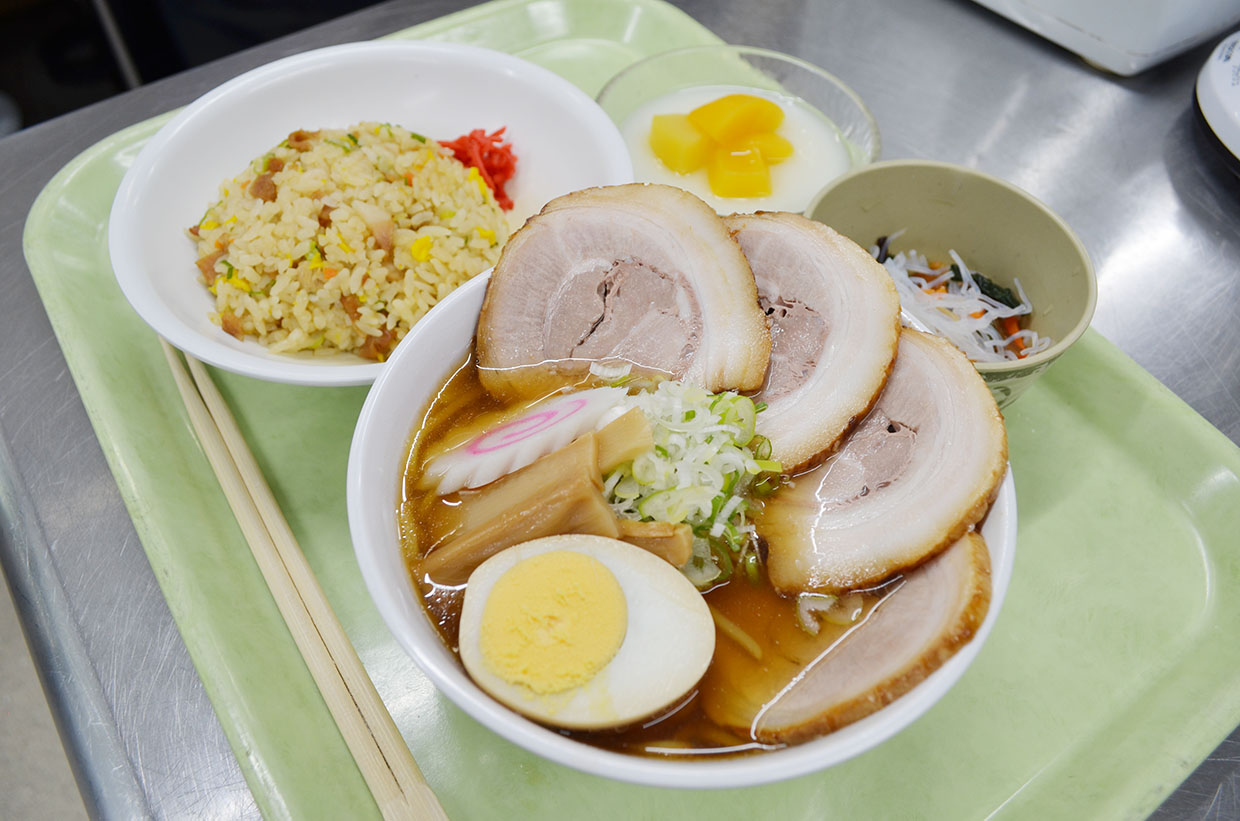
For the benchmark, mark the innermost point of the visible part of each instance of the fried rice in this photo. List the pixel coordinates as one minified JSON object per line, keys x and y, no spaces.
{"x":339,"y":240}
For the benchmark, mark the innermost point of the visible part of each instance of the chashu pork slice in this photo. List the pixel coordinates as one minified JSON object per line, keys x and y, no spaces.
{"x":643,"y":274}
{"x":932,"y":612}
{"x":919,"y":470}
{"x":835,"y":321}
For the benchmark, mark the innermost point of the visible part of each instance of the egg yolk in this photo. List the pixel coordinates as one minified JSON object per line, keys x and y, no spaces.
{"x":553,"y":621}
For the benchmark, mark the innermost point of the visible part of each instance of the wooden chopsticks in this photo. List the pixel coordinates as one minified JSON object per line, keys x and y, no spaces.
{"x":377,"y":746}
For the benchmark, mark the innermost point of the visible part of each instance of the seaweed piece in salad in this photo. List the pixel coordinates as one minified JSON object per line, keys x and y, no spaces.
{"x":989,"y":287}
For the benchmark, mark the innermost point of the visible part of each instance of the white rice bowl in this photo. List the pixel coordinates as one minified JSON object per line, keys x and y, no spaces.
{"x":562,"y":139}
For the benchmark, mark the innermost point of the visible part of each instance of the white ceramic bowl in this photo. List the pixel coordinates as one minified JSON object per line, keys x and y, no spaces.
{"x":397,"y":399}
{"x":562,"y":138}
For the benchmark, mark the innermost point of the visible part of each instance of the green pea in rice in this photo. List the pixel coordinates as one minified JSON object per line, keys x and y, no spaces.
{"x":339,"y":240}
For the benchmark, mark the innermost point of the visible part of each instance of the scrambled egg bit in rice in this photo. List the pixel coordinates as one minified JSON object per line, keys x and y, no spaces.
{"x":339,"y":240}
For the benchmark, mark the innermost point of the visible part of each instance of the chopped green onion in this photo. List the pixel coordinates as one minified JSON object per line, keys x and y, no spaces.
{"x":750,"y":562}
{"x":723,"y":558}
{"x":765,"y":486}
{"x":761,"y":447}
{"x":706,"y":460}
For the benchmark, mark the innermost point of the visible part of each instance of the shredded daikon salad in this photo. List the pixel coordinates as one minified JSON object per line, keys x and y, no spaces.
{"x":706,"y":462}
{"x":978,"y":316}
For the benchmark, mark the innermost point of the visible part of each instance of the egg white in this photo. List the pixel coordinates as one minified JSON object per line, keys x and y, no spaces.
{"x":668,"y":643}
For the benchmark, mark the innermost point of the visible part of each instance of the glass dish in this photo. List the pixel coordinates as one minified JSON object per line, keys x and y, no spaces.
{"x":677,"y":80}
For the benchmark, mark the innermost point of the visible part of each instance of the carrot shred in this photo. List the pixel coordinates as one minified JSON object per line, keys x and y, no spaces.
{"x":1011,"y":325}
{"x":493,"y":158}
{"x":328,"y":273}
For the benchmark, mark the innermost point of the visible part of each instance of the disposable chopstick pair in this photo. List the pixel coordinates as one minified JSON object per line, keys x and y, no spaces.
{"x":381,"y":754}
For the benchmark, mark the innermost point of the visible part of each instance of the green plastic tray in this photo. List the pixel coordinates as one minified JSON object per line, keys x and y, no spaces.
{"x":1109,"y":675}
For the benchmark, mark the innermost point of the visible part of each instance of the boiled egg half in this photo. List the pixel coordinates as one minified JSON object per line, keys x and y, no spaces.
{"x":584,"y":632}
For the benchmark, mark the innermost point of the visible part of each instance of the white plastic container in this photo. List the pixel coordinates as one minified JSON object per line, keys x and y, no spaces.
{"x":1122,"y":36}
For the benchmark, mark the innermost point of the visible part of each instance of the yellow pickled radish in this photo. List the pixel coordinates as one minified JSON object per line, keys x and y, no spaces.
{"x":738,"y":173}
{"x":773,"y":148}
{"x":735,"y":116}
{"x":678,"y":144}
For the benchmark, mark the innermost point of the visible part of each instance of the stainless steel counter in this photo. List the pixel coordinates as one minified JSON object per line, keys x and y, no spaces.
{"x":1117,"y":158}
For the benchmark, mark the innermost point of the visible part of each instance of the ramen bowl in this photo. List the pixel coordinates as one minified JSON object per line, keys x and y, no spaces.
{"x":378,"y":456}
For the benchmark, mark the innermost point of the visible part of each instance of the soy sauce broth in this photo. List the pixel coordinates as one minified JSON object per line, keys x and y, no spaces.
{"x":713,"y":719}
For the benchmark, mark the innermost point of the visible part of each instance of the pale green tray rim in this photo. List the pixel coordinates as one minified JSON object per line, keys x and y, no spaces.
{"x":1192,"y":742}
